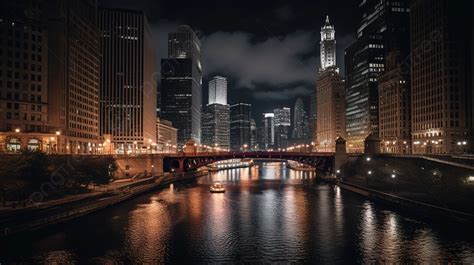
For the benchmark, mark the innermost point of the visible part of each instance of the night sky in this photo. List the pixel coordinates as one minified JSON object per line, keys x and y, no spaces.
{"x":268,"y":50}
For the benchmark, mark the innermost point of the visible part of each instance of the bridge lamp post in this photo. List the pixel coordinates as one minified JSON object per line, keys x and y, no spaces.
{"x":244,"y":147}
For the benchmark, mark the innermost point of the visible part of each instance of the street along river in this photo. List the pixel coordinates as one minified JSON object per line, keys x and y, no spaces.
{"x":268,"y":214}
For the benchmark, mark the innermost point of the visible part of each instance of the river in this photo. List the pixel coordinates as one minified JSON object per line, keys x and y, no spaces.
{"x":267,"y":214}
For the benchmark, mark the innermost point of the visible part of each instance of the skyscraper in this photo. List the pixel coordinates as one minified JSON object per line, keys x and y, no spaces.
{"x":218,"y":90}
{"x":440,"y":77}
{"x":300,"y":132}
{"x":382,"y":24}
{"x":128,"y":88}
{"x":50,"y":103}
{"x":216,"y":126}
{"x":282,"y":127}
{"x":331,"y":122}
{"x":268,"y":131}
{"x":240,"y":126}
{"x":181,"y":84}
{"x":253,"y":135}
{"x":395,"y":106}
{"x":24,"y":25}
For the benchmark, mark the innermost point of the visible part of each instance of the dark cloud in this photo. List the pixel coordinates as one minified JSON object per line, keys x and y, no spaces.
{"x":276,"y":61}
{"x":283,"y":94}
{"x":285,"y":13}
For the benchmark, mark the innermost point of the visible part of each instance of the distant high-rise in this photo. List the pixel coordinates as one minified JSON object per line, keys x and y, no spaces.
{"x":183,"y":44}
{"x":268,"y":131}
{"x":300,"y":132}
{"x":282,"y":117}
{"x":282,"y":127}
{"x":128,"y":88}
{"x":253,"y":134}
{"x":383,"y":23}
{"x":440,"y":78}
{"x":331,"y":122}
{"x":181,"y":84}
{"x":240,"y":125}
{"x":216,"y":126}
{"x":328,"y":46}
{"x":218,"y":90}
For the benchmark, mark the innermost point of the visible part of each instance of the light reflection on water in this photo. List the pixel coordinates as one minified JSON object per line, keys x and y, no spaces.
{"x":268,"y":213}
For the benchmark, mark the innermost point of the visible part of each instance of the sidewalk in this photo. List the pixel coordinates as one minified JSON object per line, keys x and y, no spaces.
{"x":94,"y":191}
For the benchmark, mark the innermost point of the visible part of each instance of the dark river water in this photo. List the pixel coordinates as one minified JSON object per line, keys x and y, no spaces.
{"x":269,"y":214}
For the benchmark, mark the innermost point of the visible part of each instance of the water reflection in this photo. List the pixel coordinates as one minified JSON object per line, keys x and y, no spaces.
{"x":268,"y":214}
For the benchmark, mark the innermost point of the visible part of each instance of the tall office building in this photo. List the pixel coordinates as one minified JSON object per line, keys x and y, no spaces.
{"x":181,"y":84}
{"x":440,"y":77}
{"x":313,"y":116}
{"x":240,"y":126}
{"x":268,"y":131}
{"x":218,"y":90}
{"x":51,"y":103}
{"x":282,"y":127}
{"x":395,"y":106}
{"x":331,"y":122}
{"x":128,"y":88}
{"x":24,"y":77}
{"x":300,"y":132}
{"x":253,"y":135}
{"x":73,"y":74}
{"x":383,"y":23}
{"x":216,"y":126}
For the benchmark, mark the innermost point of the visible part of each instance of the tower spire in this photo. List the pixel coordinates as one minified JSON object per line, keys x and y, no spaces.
{"x":327,"y":20}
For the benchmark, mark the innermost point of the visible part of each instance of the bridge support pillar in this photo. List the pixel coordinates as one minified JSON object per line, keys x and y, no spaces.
{"x":180,"y":169}
{"x":340,"y":157}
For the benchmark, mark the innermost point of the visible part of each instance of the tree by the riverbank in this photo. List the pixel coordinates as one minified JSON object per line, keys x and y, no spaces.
{"x":51,"y":176}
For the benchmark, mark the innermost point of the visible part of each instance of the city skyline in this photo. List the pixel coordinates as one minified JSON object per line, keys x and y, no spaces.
{"x":236,"y":132}
{"x":283,"y":31}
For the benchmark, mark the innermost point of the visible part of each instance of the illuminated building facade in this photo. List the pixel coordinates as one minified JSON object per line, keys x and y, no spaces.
{"x":382,"y":23}
{"x":441,"y":78}
{"x":50,"y":76}
{"x":240,"y":126}
{"x":181,"y":84}
{"x":128,"y":87}
{"x":395,"y":106}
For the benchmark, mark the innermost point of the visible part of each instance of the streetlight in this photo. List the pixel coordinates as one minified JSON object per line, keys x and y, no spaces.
{"x":17,"y":130}
{"x":110,"y":146}
{"x":58,"y":143}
